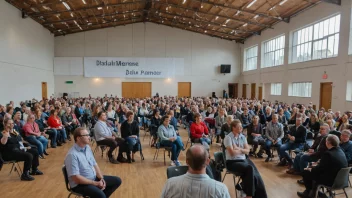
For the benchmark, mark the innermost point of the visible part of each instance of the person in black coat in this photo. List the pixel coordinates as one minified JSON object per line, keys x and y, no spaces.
{"x":297,"y":138}
{"x":155,"y":123}
{"x":325,"y":172}
{"x":13,"y":148}
{"x":130,"y":132}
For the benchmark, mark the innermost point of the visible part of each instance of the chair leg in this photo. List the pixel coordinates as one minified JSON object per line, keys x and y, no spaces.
{"x":12,"y":168}
{"x":18,"y":170}
{"x":234,"y":181}
{"x":164,"y":157}
{"x":344,"y":191}
{"x":155,"y":155}
{"x":349,"y":180}
{"x":224,"y":177}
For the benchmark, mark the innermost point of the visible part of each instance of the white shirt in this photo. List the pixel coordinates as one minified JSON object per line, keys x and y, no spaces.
{"x":194,"y":186}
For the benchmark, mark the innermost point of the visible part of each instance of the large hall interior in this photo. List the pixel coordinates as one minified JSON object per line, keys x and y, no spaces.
{"x":176,"y":98}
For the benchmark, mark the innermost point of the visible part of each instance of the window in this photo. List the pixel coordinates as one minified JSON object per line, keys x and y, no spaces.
{"x":318,"y":41}
{"x":349,"y":91}
{"x":273,"y":52}
{"x":301,"y":89}
{"x":276,"y":89}
{"x":250,"y":58}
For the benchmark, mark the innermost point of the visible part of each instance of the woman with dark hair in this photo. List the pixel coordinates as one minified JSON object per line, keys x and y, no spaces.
{"x":155,"y":123}
{"x":168,"y":137}
{"x":55,"y":123}
{"x":130,"y":132}
{"x":12,"y":148}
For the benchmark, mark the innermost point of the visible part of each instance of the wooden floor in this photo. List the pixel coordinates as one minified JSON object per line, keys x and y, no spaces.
{"x":142,"y":179}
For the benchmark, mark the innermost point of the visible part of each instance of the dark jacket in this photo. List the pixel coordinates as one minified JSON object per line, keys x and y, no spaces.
{"x":225,"y":129}
{"x":265,"y":118}
{"x":330,"y":164}
{"x":347,"y":149}
{"x":245,"y":120}
{"x":300,"y":133}
{"x":129,"y":129}
{"x":319,"y":146}
{"x":173,"y":122}
{"x":251,"y":129}
{"x":314,"y":127}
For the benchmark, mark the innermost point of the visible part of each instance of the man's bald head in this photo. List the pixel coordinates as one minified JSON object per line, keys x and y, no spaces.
{"x":196,"y":157}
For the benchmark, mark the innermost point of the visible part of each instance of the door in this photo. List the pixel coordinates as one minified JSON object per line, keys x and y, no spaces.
{"x":260,"y":94}
{"x":325,"y":95}
{"x":184,"y":89}
{"x":44,"y":90}
{"x":233,"y":90}
{"x":136,"y":89}
{"x":252,"y":91}
{"x":244,"y":91}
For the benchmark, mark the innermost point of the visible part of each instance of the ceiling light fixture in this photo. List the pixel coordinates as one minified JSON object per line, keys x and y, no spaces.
{"x":244,"y":25}
{"x":216,"y":18}
{"x":71,"y":14}
{"x":272,"y":8}
{"x":99,"y":8}
{"x":205,"y":31}
{"x":84,"y":1}
{"x":201,"y":6}
{"x":66,"y":5}
{"x":249,"y":5}
{"x":256,"y":16}
{"x":89,"y":23}
{"x":167,"y":8}
{"x":238,"y":12}
{"x":46,"y":7}
{"x":282,"y":2}
{"x":184,"y":1}
{"x":227,"y":21}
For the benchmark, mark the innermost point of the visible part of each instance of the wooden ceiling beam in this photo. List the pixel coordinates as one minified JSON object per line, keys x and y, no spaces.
{"x":208,"y":22}
{"x":34,"y":14}
{"x":217,"y":15}
{"x":240,"y":9}
{"x":92,"y":17}
{"x":107,"y":23}
{"x":188,"y":29}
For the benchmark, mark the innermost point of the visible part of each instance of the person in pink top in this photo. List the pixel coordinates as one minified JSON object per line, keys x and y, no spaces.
{"x":34,"y":136}
{"x":199,"y":131}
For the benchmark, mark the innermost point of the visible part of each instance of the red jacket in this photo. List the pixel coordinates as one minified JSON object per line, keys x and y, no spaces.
{"x":54,"y":122}
{"x":197,"y":130}
{"x":34,"y":128}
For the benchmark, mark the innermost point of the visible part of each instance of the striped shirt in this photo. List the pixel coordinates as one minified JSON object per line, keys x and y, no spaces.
{"x":194,"y":186}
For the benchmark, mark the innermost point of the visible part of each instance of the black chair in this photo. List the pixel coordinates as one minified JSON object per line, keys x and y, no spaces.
{"x":64,"y":171}
{"x":340,"y":183}
{"x":221,"y":159}
{"x":136,"y":147}
{"x":174,"y":171}
{"x":158,"y":147}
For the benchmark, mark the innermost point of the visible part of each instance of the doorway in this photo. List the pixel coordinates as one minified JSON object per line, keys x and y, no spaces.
{"x":233,"y":90}
{"x":253,"y":91}
{"x":325,"y":95}
{"x":260,"y":93}
{"x":184,"y":89}
{"x":44,"y":90}
{"x":136,"y":89}
{"x":244,"y":90}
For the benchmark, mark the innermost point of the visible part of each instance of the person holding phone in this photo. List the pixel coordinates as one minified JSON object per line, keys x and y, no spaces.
{"x":13,"y":148}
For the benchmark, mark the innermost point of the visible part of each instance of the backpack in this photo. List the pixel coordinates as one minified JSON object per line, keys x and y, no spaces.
{"x":215,"y":169}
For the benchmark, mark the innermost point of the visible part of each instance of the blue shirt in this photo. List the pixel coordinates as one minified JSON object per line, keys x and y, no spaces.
{"x":240,"y":141}
{"x":80,"y":161}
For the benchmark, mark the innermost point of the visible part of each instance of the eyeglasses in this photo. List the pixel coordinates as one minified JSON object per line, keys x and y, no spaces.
{"x":84,"y":135}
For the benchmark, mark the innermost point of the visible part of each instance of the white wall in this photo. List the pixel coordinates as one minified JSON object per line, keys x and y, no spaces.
{"x":339,"y":69}
{"x":202,"y":57}
{"x":26,"y":56}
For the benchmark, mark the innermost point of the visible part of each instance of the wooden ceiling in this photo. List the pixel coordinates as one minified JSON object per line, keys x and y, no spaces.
{"x":227,"y":19}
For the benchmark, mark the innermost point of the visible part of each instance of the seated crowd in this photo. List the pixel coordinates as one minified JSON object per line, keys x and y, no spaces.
{"x":234,"y":124}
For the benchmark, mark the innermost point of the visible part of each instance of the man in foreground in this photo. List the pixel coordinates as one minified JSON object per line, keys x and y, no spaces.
{"x":195,"y":183}
{"x":83,"y":172}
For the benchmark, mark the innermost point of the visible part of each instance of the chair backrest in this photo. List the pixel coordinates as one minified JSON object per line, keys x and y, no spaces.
{"x":341,"y":179}
{"x":174,"y":171}
{"x":64,"y":171}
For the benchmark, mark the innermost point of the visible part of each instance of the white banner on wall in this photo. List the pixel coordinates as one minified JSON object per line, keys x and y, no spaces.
{"x":132,"y":67}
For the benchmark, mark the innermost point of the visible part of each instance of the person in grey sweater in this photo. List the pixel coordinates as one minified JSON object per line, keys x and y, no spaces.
{"x":274,"y":132}
{"x":169,"y":138}
{"x":104,"y":135}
